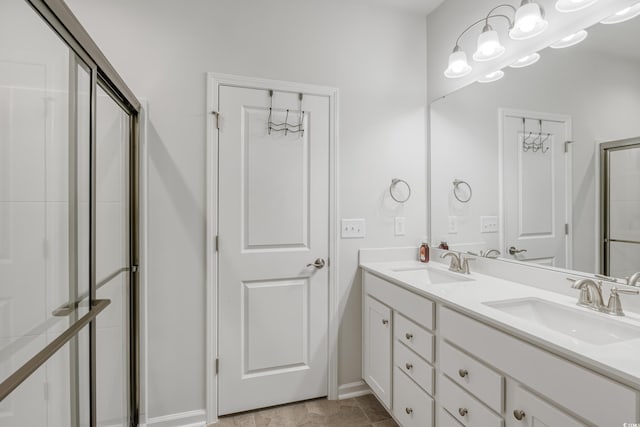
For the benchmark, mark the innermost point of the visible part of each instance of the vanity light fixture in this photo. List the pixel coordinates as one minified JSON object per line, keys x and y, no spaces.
{"x":525,"y":61}
{"x":529,"y":21}
{"x":489,"y":46}
{"x":458,"y":65}
{"x":624,"y":15}
{"x":570,"y":40}
{"x":573,"y":5}
{"x":492,"y":77}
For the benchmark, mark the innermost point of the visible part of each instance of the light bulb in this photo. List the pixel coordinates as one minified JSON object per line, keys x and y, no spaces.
{"x":624,"y":15}
{"x":526,"y":61}
{"x":573,"y":5}
{"x":489,"y":46}
{"x":492,"y":77}
{"x":458,"y":65}
{"x":529,"y":21}
{"x":570,"y":40}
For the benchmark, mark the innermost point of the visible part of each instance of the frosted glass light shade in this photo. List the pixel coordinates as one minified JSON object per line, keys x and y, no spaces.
{"x":528,"y":22}
{"x":570,"y":40}
{"x":573,"y":5}
{"x":458,"y":65}
{"x":623,"y":15}
{"x":492,"y":77}
{"x":489,"y":46}
{"x":525,"y":61}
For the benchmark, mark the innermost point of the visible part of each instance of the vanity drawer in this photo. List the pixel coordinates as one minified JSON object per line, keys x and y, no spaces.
{"x":412,"y":365}
{"x":480,"y":380}
{"x":415,"y":307}
{"x":412,"y":407}
{"x":445,"y":419}
{"x":413,"y":336}
{"x":466,"y":408}
{"x":569,"y":385}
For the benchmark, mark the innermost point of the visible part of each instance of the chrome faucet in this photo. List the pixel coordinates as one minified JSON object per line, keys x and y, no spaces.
{"x":591,"y":296}
{"x":459,"y":263}
{"x":454,"y":265}
{"x":490,"y":253}
{"x":634,"y":279}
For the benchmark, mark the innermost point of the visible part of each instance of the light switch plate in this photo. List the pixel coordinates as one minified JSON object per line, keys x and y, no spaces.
{"x":400,"y":226}
{"x":353,"y":228}
{"x":488,"y":224}
{"x":453,"y":225}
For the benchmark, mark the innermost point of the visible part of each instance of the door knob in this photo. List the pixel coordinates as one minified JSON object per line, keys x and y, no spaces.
{"x":319,"y":263}
{"x":513,"y":250}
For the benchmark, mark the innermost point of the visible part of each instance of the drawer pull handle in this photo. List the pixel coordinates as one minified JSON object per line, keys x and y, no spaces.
{"x":463,"y":411}
{"x":409,"y":366}
{"x":463,"y":373}
{"x":385,"y":321}
{"x":408,"y":336}
{"x":519,"y":414}
{"x":408,"y":411}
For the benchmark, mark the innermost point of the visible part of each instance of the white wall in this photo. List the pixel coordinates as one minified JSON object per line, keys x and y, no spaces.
{"x":600,"y":92}
{"x":376,"y":56}
{"x":449,"y":20}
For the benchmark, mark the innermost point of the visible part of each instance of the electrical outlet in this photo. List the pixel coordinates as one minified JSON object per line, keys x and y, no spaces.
{"x":400,"y":226}
{"x":488,"y":224}
{"x":352,"y":228}
{"x":453,"y":225}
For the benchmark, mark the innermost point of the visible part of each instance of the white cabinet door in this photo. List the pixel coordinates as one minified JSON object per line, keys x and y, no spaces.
{"x":377,"y":349}
{"x":527,"y":410}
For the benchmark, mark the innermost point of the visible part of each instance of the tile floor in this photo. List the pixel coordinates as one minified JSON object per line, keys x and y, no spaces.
{"x":364,"y":411}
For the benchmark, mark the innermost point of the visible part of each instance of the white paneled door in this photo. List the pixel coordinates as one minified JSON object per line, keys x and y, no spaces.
{"x":535,"y":190}
{"x":273,"y":226}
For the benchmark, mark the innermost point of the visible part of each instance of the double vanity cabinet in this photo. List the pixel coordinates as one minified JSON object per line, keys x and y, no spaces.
{"x":432,"y":364}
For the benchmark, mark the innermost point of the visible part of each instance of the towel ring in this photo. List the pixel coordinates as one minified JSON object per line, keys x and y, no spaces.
{"x":399,"y":198}
{"x":456,"y":184}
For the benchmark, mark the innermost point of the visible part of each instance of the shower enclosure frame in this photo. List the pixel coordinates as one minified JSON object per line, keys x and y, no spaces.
{"x":60,"y":18}
{"x":604,"y":239}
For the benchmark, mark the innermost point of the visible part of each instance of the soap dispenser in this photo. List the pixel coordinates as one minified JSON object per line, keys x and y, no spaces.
{"x":424,"y":251}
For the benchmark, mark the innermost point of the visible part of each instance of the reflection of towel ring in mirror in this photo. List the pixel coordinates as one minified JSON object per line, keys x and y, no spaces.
{"x":458,"y":182}
{"x":399,"y":197}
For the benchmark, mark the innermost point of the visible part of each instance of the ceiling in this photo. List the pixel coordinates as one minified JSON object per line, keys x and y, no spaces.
{"x":423,"y":7}
{"x":619,"y":40}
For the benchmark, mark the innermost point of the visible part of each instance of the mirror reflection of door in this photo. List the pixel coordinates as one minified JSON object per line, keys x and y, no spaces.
{"x":535,"y":206}
{"x":620,"y":183}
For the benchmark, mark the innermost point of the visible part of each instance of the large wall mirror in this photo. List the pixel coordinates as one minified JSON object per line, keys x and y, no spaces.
{"x":543,"y":166}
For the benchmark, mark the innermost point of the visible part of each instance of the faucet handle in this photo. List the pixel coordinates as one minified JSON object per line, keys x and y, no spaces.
{"x":585,"y":296}
{"x":465,"y":265}
{"x":614,"y":306}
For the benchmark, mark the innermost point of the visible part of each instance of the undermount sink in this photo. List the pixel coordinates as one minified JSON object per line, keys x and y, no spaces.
{"x":429,"y":275}
{"x":592,"y":328}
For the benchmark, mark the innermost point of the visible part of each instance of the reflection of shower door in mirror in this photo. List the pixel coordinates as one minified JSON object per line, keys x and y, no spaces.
{"x":620,"y":162}
{"x":535,"y":185}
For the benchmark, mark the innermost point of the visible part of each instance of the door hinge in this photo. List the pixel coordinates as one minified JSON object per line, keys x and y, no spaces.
{"x":217,"y":114}
{"x":217,"y":243}
{"x":566,"y":146}
{"x":217,"y":366}
{"x":134,"y":268}
{"x":566,"y":229}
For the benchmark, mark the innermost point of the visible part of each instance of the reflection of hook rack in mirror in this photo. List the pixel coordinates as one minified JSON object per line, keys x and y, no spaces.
{"x":395,"y":190}
{"x":456,"y":184}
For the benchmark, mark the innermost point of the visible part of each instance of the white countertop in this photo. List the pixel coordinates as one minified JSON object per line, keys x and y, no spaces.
{"x":620,"y":361}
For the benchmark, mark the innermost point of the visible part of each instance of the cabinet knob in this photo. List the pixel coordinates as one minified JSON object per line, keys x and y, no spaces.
{"x":519,"y":414}
{"x":385,"y":321}
{"x":463,"y":411}
{"x":409,"y":366}
{"x":408,"y":411}
{"x":463,"y":373}
{"x":408,"y":335}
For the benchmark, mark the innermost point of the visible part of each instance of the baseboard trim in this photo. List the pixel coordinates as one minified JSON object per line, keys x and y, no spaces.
{"x":183,"y":419}
{"x":349,"y":390}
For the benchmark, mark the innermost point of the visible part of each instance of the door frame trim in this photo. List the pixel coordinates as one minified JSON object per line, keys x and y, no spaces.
{"x":214,"y":82}
{"x":503,"y":113}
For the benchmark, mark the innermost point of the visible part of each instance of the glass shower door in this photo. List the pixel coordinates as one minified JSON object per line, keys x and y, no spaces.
{"x":623,"y":210}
